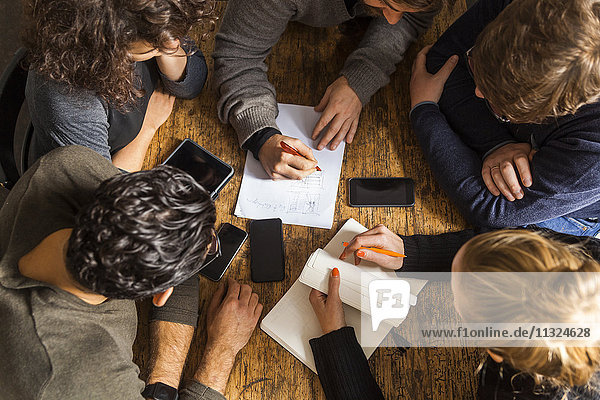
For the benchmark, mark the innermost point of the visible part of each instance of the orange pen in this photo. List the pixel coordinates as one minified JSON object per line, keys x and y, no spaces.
{"x":290,"y":150}
{"x":378,"y":250}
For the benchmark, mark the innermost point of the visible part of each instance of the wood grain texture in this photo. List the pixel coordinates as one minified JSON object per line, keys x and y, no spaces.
{"x":301,"y":66}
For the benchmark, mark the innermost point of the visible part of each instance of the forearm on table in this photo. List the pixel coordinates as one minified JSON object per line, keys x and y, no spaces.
{"x":173,"y":66}
{"x":169,"y":345}
{"x":131,"y":157}
{"x":215,"y":367}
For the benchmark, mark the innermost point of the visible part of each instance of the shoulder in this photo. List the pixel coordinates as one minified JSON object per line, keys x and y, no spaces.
{"x":76,"y":161}
{"x":60,"y":101}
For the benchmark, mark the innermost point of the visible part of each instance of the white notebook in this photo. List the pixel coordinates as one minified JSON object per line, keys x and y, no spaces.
{"x":292,"y":322}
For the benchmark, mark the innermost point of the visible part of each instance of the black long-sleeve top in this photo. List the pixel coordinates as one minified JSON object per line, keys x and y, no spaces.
{"x":343,"y":368}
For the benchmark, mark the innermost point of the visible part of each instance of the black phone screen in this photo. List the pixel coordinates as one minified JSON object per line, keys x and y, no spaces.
{"x":382,"y":192}
{"x":231,"y":239}
{"x":267,"y":262}
{"x":208,"y":170}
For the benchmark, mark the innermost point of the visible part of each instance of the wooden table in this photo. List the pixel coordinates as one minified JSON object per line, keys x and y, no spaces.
{"x":301,"y":66}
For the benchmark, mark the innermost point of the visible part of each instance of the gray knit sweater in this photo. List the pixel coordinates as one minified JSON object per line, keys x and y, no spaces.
{"x":252,"y":27}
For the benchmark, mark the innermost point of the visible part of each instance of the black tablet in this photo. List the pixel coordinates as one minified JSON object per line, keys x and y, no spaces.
{"x":208,"y":170}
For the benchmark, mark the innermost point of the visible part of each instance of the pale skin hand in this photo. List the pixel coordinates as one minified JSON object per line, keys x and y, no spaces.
{"x":328,"y":307}
{"x":499,"y":170}
{"x":425,"y":86}
{"x":231,"y":318}
{"x":131,"y":157}
{"x":380,"y":237}
{"x":341,"y":107}
{"x":171,"y":61}
{"x":281,"y":165}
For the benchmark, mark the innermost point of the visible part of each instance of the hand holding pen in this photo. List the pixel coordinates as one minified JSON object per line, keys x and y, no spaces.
{"x":379,"y":245}
{"x":281,"y":164}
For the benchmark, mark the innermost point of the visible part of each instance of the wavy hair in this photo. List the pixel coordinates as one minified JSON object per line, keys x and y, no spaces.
{"x":144,"y":232}
{"x":558,"y":365}
{"x":84,"y":43}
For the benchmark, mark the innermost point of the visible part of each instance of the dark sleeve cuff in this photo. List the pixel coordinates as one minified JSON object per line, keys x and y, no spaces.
{"x":424,"y":105}
{"x":194,"y":77}
{"x":343,"y":368}
{"x":195,"y":390}
{"x":256,"y":141}
{"x":182,"y":305}
{"x":432,"y":253}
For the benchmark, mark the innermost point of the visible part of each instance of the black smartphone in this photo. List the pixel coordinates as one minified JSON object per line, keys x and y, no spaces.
{"x":231,"y":239}
{"x":208,"y":170}
{"x":267,"y":260}
{"x":381,"y":192}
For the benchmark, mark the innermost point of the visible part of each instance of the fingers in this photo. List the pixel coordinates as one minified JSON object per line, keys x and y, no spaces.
{"x":419,"y":63}
{"x":352,"y":132}
{"x":298,"y":162}
{"x":512,"y":181}
{"x":321,"y":106}
{"x":245,"y":294}
{"x":233,"y":289}
{"x":257,"y":311}
{"x":217,"y":299}
{"x":317,"y":299}
{"x":447,"y":68}
{"x":326,"y":117}
{"x":354,"y":245}
{"x":334,"y":128}
{"x":341,"y":134}
{"x":253,"y":301}
{"x":302,"y":148}
{"x":489,"y":182}
{"x":501,"y":184}
{"x":377,"y":258}
{"x":334,"y":284}
{"x":522,"y":163}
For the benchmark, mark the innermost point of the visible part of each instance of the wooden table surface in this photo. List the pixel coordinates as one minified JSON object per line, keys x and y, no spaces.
{"x":301,"y":66}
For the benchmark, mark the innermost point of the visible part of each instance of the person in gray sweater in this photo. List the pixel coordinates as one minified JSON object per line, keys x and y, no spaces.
{"x":80,"y":241}
{"x":247,"y":100}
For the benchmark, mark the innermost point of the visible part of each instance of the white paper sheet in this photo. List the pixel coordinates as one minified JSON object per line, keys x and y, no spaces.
{"x":310,"y":202}
{"x":292,"y":322}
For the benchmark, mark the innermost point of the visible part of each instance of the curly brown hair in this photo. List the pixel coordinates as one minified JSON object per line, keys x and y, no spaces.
{"x":84,"y":43}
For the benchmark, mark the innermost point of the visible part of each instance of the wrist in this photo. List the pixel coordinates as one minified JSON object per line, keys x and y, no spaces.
{"x":215,"y":367}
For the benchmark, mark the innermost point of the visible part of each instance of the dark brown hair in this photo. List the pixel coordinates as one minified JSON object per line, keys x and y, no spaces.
{"x":84,"y":43}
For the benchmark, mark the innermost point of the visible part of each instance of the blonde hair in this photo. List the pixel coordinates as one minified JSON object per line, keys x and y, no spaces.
{"x":527,"y":251}
{"x":540,"y":59}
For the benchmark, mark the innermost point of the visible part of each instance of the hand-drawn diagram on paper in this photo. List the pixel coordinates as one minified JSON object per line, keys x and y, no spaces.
{"x":310,"y":201}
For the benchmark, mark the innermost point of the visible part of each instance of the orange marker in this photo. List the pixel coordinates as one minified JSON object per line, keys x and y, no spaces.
{"x":378,"y":250}
{"x":290,"y":150}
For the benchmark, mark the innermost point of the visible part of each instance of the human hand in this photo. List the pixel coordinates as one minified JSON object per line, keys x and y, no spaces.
{"x":328,"y":307}
{"x":499,"y":170}
{"x":231,"y":317}
{"x":425,"y":86}
{"x":282,"y":165}
{"x":380,"y":237}
{"x":159,"y":108}
{"x":341,"y":107}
